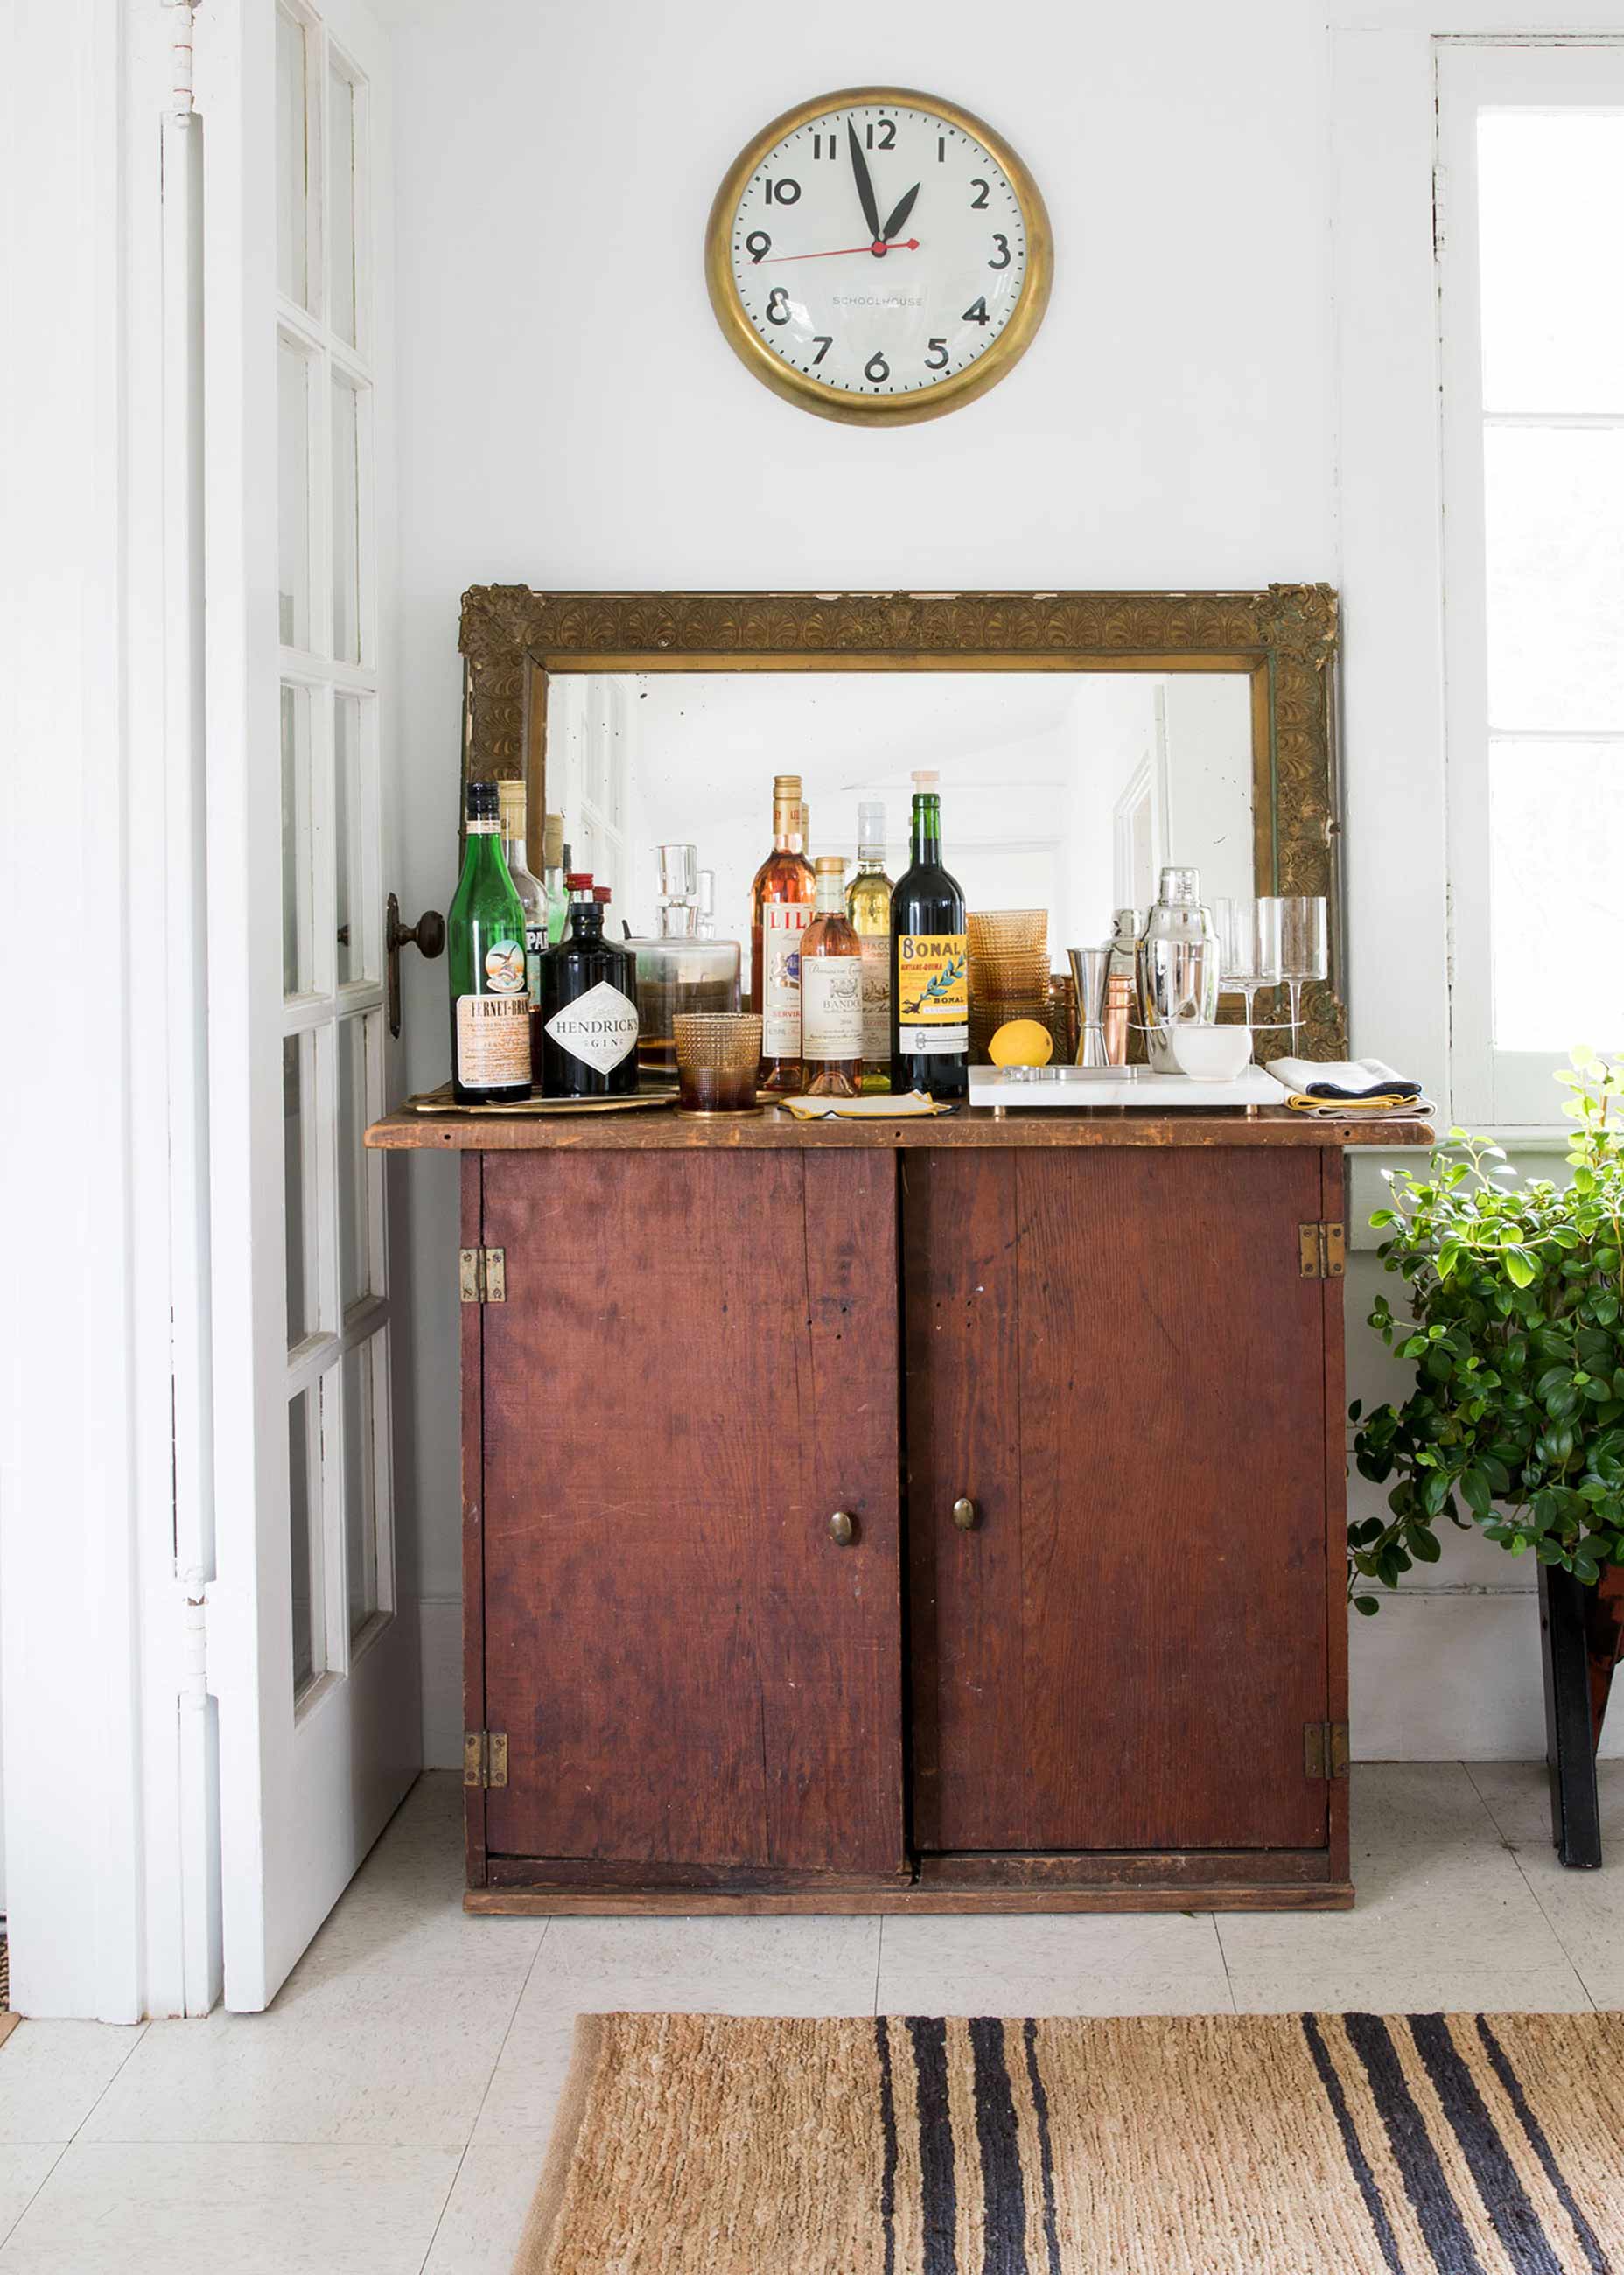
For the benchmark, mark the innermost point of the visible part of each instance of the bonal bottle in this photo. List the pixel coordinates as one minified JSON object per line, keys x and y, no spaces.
{"x":589,"y":1013}
{"x":930,"y":965}
{"x":781,"y":909}
{"x":485,"y":943}
{"x":831,"y":991}
{"x":532,"y":899}
{"x":868,"y":904}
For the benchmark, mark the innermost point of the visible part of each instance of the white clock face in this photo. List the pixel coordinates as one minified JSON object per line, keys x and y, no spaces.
{"x":879,"y":250}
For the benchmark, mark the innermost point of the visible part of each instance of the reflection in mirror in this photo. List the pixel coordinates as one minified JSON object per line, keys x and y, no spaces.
{"x":1064,"y":790}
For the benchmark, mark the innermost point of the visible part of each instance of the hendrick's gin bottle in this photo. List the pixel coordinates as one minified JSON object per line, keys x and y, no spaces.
{"x":589,"y":1010}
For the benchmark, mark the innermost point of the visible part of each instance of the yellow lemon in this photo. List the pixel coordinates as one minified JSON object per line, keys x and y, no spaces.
{"x":1021,"y":1042}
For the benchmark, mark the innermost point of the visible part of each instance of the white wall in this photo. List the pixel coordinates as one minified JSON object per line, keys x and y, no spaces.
{"x":572,"y":417}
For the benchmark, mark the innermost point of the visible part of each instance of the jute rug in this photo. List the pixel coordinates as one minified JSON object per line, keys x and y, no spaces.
{"x":1298,"y":2144}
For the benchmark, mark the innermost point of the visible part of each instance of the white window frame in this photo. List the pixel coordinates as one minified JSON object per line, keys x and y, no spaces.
{"x":1492,"y":1086}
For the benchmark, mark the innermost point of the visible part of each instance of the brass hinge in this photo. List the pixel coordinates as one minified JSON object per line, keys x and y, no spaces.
{"x":485,"y":1757}
{"x":1322,"y":1250}
{"x":483,"y":1274}
{"x":1325,"y":1749}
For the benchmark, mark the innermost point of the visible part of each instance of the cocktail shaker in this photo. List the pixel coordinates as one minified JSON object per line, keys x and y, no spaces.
{"x":1091,"y":968}
{"x":1177,"y":961}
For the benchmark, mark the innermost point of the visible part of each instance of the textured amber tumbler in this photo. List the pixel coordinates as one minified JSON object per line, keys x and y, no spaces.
{"x":717,"y":1055}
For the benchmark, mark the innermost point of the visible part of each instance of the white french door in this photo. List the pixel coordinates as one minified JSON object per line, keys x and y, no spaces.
{"x":315,"y":1671}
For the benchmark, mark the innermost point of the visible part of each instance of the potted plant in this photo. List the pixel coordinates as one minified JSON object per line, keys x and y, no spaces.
{"x":1514,"y":1321}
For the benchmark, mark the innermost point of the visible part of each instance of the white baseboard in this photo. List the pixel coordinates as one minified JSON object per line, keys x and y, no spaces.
{"x":1435,"y":1677}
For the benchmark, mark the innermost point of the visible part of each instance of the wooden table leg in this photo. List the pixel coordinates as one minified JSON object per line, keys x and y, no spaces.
{"x":1570,"y":1749}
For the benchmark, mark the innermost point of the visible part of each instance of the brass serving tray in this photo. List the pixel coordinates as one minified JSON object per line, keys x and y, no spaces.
{"x":650,"y":1093}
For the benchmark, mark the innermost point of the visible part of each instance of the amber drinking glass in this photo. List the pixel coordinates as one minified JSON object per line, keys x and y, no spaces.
{"x":717,"y":1055}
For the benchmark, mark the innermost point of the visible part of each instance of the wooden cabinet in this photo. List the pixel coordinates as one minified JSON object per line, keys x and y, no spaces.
{"x":1094,"y":1654}
{"x":694,"y":1372}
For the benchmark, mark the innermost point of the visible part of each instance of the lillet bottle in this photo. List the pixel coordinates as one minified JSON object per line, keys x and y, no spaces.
{"x":868,"y":904}
{"x":831,"y":992}
{"x":930,"y":964}
{"x":485,"y":942}
{"x":781,"y":909}
{"x":589,"y":1012}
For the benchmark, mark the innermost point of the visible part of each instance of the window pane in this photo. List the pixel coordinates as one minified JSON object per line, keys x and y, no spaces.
{"x":341,"y":134}
{"x":346,"y":523}
{"x":292,"y":496}
{"x":357,"y":954}
{"x":303,"y":1539}
{"x":354,"y":1163}
{"x":1551,"y":188}
{"x":1554,"y":515}
{"x":298,"y":1186}
{"x":292,"y":163}
{"x":1557,"y":894}
{"x":360,"y":1481}
{"x":295,"y":840}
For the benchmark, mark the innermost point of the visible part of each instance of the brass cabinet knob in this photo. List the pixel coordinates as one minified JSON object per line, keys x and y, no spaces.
{"x":842,"y":1529}
{"x":964,"y":1515}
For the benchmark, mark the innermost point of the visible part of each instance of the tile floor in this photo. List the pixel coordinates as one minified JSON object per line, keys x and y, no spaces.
{"x":389,"y":2115}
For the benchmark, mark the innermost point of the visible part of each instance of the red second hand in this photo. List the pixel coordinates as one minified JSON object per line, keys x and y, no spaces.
{"x":896,"y":244}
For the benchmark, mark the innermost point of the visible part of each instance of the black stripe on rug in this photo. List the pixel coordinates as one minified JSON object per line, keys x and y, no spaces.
{"x":1003,"y":2190}
{"x":938,"y":2184}
{"x":888,"y":2128}
{"x":1425,"y":2182}
{"x":1499,"y":2062}
{"x":1358,"y":2163}
{"x":1046,"y":2150}
{"x":1505,"y":2198}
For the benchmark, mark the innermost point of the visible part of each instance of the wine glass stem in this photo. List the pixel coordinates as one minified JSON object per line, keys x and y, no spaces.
{"x":1296,"y":986}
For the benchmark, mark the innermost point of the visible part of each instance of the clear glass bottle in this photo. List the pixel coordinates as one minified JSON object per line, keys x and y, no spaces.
{"x":678,"y":971}
{"x":868,"y":904}
{"x":589,"y":1014}
{"x":781,"y":909}
{"x":532,"y":899}
{"x":555,"y":869}
{"x":831,"y":992}
{"x":930,"y":962}
{"x":485,"y":955}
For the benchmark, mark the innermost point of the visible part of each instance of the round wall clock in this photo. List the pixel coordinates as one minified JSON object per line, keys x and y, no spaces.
{"x":879,"y":256}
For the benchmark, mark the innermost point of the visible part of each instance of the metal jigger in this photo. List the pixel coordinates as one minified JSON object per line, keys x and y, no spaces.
{"x":1091,"y":968}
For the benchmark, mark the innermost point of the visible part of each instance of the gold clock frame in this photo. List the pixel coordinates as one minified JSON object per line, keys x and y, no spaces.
{"x":808,"y":394}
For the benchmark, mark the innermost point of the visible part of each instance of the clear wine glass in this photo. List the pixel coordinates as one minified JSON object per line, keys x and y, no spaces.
{"x":1248,"y":946}
{"x":1304,"y":947}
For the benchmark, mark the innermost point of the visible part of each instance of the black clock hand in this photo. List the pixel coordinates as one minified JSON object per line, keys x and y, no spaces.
{"x":866,"y":188}
{"x":894,"y":226}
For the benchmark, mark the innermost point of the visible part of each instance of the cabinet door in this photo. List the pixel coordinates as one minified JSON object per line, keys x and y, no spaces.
{"x":695,"y":1367}
{"x":1112,"y":1354}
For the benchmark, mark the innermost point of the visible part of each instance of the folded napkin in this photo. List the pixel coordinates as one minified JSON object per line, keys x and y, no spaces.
{"x":1337,"y":1087}
{"x":876,"y":1107}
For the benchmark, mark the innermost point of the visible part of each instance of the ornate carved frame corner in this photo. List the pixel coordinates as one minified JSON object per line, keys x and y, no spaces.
{"x":1284,"y":638}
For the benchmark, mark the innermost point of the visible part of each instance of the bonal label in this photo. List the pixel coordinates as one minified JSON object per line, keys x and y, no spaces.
{"x":782,"y":923}
{"x":493,"y":1042}
{"x":831,"y":1007}
{"x":932,"y":991}
{"x":599,"y":1028}
{"x":876,"y":999}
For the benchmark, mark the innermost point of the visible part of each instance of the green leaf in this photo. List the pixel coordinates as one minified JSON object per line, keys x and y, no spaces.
{"x":1476,"y":1488}
{"x":1425,"y":1548}
{"x":1520,"y":1267}
{"x":1367,"y":1604}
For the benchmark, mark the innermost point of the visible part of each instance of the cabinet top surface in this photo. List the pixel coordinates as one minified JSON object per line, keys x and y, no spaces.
{"x":462,"y":1131}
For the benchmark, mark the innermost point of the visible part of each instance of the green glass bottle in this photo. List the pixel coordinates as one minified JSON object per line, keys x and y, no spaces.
{"x":484,"y":944}
{"x":930,"y":987}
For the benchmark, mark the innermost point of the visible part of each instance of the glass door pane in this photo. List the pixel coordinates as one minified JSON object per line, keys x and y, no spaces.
{"x":292,"y":492}
{"x":344,"y":124}
{"x":293,"y":157}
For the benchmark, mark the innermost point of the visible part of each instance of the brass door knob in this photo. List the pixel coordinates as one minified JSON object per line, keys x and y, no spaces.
{"x":964,"y":1515}
{"x":842,"y":1529}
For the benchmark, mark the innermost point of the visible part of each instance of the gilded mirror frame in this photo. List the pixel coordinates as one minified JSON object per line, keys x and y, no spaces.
{"x":1284,"y":638}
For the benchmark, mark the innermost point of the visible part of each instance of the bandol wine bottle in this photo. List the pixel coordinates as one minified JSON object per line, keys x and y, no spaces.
{"x":930,"y":964}
{"x":485,"y":943}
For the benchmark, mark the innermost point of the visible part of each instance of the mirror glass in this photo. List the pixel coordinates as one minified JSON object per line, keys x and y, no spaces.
{"x":1060,"y":790}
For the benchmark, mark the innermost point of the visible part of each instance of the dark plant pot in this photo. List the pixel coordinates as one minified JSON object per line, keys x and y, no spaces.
{"x":1573,"y":1716}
